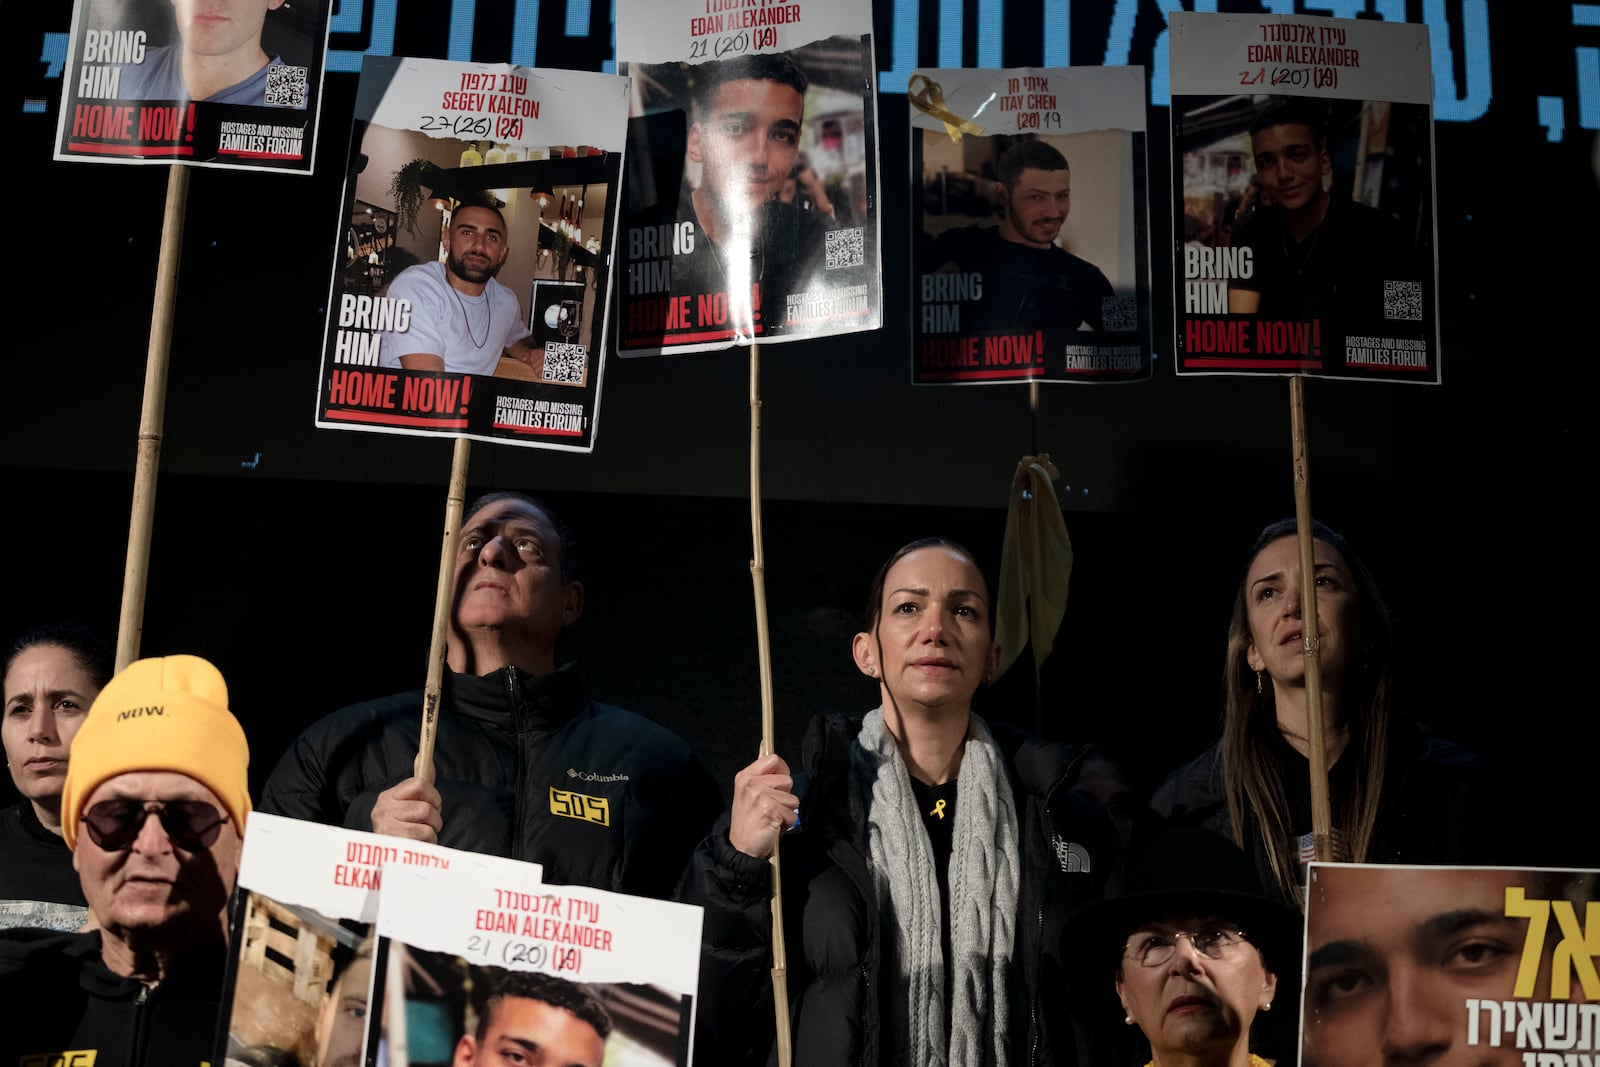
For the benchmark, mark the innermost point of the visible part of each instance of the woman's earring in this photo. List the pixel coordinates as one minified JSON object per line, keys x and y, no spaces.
{"x":1258,"y":683}
{"x":1128,"y":1019}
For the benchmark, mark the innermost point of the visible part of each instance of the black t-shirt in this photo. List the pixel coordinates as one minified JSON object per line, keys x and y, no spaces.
{"x":1335,"y":274}
{"x":37,"y":882}
{"x":1297,"y":791}
{"x":1024,"y":288}
{"x":937,"y":805}
{"x":781,"y":255}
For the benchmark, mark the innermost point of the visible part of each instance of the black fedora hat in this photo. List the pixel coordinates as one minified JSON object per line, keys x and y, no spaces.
{"x":1179,"y":869}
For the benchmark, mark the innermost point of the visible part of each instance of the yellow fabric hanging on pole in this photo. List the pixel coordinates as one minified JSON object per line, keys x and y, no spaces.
{"x":1035,"y":564}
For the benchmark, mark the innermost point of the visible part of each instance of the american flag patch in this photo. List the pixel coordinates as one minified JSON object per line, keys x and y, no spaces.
{"x":1308,"y":847}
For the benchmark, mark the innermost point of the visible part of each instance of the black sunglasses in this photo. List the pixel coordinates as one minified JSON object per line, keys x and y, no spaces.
{"x":191,"y":824}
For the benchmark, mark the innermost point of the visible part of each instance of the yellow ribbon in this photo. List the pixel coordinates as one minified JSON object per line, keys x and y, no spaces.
{"x":930,"y":101}
{"x":938,"y":808}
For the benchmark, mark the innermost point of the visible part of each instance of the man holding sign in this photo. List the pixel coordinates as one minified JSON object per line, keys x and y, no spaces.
{"x":525,"y":765}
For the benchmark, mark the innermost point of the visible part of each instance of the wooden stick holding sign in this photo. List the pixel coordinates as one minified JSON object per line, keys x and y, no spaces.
{"x":1310,"y":642}
{"x":152,"y":417}
{"x":758,"y":568}
{"x":443,"y":598}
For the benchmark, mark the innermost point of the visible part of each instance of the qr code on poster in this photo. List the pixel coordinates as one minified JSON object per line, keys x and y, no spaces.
{"x":564,"y":363}
{"x":1403,"y":301}
{"x":1119,"y":313}
{"x":845,"y":248}
{"x":286,"y":86}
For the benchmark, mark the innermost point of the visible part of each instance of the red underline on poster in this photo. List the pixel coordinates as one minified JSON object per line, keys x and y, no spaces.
{"x":264,"y":155}
{"x":1232,"y":362}
{"x":975,"y":375}
{"x":396,"y":420}
{"x":130,"y":149}
{"x":526,"y":431}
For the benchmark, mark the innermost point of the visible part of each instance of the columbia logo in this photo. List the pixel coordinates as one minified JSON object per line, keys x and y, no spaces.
{"x":1073,"y":857}
{"x":592,"y":776}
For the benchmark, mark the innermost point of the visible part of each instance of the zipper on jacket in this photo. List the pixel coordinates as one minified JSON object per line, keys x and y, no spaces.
{"x":1033,"y":999}
{"x":136,"y":1043}
{"x":519,"y":787}
{"x":1038,"y":931}
{"x":869,"y":1019}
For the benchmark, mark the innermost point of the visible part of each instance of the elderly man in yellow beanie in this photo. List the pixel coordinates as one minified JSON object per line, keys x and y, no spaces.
{"x":154,"y":810}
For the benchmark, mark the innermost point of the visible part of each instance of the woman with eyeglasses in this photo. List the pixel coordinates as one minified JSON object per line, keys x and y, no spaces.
{"x":927,"y":856}
{"x":52,"y":673}
{"x":1193,"y":950}
{"x":1397,"y":794}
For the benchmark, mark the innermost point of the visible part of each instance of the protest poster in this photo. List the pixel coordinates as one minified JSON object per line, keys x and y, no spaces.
{"x":472,"y":264}
{"x":1488,"y":965}
{"x":304,"y":962}
{"x":1030,"y":225}
{"x":1304,"y":225}
{"x":183,"y":81}
{"x":752,"y":208}
{"x":480,"y":960}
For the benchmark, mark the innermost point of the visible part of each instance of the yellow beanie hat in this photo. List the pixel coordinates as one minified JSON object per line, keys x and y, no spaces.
{"x":165,"y":714}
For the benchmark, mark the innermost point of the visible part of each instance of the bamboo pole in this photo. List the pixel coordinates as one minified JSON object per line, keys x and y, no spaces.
{"x":758,"y":569}
{"x":1310,"y":640}
{"x":443,"y":595}
{"x":1033,"y":413}
{"x":152,"y":417}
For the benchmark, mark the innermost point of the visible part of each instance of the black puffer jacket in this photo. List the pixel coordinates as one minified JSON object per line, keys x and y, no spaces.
{"x":525,"y":768}
{"x":836,"y":971}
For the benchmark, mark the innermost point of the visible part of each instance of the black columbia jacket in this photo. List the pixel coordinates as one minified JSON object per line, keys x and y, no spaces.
{"x":526,"y":767}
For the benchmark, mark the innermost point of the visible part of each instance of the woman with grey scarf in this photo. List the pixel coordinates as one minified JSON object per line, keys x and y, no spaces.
{"x":927,"y":858}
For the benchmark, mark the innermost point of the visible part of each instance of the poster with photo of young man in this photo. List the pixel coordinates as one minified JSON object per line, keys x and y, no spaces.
{"x":305,"y":964}
{"x":472,"y":283}
{"x":484,"y":967}
{"x":1030,"y":226}
{"x":1485,"y":965}
{"x":213,"y":83}
{"x":1304,"y":197}
{"x":752,"y":187}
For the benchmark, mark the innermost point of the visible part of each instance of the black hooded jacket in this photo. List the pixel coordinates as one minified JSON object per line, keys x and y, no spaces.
{"x":63,"y":1005}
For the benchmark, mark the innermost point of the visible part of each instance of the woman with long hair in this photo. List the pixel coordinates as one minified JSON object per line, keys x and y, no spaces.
{"x":928,"y":858}
{"x":1396,"y":793}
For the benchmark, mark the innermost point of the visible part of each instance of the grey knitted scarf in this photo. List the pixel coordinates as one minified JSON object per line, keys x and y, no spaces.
{"x":983,"y":900}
